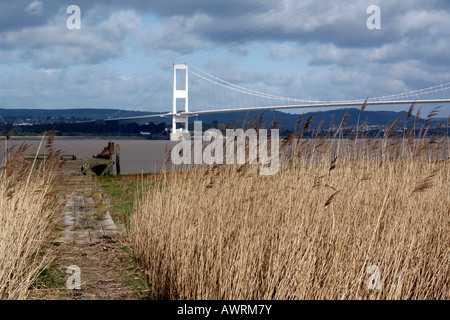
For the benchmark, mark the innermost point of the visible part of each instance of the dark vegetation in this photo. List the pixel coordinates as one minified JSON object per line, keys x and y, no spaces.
{"x":88,"y":122}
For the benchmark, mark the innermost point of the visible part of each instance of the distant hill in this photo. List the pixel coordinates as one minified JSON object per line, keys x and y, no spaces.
{"x":12,"y":115}
{"x":374,"y":118}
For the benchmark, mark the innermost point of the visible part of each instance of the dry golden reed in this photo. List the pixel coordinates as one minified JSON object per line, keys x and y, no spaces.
{"x":312,"y":231}
{"x":26,"y":210}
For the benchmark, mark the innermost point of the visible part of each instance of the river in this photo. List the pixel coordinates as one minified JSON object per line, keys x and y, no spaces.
{"x":136,"y":156}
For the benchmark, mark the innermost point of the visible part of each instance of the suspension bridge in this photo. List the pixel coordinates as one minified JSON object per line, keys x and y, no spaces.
{"x":189,"y":101}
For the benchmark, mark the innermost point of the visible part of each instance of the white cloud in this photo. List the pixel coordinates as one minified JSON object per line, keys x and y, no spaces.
{"x":53,"y":45}
{"x":35,"y":8}
{"x":280,"y":52}
{"x":345,"y":58}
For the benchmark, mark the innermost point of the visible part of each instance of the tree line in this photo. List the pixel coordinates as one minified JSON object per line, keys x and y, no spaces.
{"x":97,"y":128}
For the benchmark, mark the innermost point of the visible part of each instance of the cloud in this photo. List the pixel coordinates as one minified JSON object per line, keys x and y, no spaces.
{"x":35,"y":8}
{"x":280,"y":52}
{"x":309,"y":48}
{"x":56,"y":88}
{"x":188,"y":26}
{"x":53,"y":45}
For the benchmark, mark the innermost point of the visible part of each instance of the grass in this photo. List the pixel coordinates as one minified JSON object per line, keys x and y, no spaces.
{"x":27,"y":208}
{"x":141,"y":288}
{"x":312,"y":231}
{"x":335,"y":209}
{"x":32,"y":266}
{"x":50,"y":277}
{"x":121,"y":192}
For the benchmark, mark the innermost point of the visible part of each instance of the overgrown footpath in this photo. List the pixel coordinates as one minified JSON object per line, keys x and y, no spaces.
{"x":121,"y":193}
{"x":86,"y":239}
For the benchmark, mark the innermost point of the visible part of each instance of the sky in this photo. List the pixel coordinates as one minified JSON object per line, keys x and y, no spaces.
{"x":122,"y":55}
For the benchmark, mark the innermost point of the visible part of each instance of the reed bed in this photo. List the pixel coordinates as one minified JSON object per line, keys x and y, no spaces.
{"x":26,"y":209}
{"x":337,"y":210}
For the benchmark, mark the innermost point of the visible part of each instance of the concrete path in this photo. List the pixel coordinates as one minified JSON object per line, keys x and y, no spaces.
{"x":86,"y":218}
{"x":89,"y":240}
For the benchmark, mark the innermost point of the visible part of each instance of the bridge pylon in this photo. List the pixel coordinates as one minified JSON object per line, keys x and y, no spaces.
{"x":179,"y":94}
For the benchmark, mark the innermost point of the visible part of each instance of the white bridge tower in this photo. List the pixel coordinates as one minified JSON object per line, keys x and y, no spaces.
{"x":180,"y":94}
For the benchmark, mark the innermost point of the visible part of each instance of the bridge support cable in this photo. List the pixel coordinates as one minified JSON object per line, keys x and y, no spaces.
{"x":210,"y":95}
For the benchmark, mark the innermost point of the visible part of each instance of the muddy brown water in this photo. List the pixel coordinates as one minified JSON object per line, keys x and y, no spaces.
{"x":136,"y":156}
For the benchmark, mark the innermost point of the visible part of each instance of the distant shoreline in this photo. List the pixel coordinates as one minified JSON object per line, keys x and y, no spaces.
{"x":80,"y":137}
